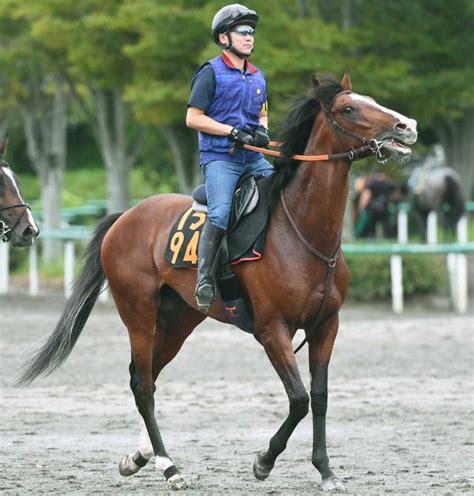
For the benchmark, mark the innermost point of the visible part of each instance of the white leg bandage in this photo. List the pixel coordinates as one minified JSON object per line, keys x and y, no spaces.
{"x":144,"y":446}
{"x":162,"y":463}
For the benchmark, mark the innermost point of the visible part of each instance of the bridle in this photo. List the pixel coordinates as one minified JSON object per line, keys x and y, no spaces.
{"x":374,"y":146}
{"x":5,"y":230}
{"x":368,"y":148}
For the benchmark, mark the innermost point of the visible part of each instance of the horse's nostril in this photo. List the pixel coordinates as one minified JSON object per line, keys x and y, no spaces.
{"x":400,"y":126}
{"x":30,"y":233}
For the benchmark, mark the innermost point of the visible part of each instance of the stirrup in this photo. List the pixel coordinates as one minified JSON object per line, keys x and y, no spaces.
{"x":205,"y":294}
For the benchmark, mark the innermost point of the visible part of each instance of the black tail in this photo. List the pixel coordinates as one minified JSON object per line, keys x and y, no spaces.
{"x":76,"y":312}
{"x":454,"y":200}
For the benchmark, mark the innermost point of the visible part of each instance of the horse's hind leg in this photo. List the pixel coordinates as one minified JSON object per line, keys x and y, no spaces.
{"x":130,"y":464}
{"x":280,"y":352}
{"x":176,"y":321}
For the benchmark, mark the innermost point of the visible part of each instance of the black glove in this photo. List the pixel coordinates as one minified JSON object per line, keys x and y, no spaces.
{"x":241,"y":137}
{"x":261,"y":137}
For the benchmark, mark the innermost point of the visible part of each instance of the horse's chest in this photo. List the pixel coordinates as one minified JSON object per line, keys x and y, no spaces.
{"x":327,"y":297}
{"x":290,"y":283}
{"x":308,"y":291}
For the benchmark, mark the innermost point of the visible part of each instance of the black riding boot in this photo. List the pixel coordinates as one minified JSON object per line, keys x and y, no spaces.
{"x":208,"y":251}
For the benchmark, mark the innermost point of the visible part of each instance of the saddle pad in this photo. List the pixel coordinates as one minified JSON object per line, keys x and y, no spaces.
{"x":245,"y":242}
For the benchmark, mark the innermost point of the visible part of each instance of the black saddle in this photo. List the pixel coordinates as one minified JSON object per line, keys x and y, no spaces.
{"x":245,"y":199}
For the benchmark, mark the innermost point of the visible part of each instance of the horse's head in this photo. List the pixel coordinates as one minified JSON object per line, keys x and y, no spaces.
{"x":16,"y":222}
{"x":358,"y":119}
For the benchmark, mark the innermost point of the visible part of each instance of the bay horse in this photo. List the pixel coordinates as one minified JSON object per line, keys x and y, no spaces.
{"x":16,"y":222}
{"x":288,"y":288}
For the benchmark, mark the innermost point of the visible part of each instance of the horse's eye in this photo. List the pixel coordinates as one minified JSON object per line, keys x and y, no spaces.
{"x":348,"y":110}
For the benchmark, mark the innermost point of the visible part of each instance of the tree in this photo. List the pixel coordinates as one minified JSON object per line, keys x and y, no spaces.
{"x":44,"y":117}
{"x":169,"y":38}
{"x":31,"y":85}
{"x":97,"y":71}
{"x":431,"y":41}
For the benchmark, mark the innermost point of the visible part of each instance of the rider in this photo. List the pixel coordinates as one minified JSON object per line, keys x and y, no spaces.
{"x":228,"y":107}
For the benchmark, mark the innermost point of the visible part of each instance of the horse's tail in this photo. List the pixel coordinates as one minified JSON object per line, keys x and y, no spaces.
{"x":85,"y":291}
{"x":455,"y":199}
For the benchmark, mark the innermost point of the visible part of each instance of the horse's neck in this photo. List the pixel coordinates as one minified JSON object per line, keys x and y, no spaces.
{"x":317,"y":195}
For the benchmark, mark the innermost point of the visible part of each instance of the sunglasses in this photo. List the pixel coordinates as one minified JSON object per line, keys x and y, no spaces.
{"x":244,"y":31}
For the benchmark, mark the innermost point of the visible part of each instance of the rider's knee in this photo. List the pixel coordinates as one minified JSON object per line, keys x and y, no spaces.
{"x":219,"y":215}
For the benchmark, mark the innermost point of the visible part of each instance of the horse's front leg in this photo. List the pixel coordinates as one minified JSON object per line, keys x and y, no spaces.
{"x":320,"y":349}
{"x":278,"y":346}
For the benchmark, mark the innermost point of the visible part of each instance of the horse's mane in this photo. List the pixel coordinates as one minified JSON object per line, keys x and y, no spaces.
{"x":295,"y":131}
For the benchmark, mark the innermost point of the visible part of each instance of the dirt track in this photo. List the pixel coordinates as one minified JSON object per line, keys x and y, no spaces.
{"x":399,"y":419}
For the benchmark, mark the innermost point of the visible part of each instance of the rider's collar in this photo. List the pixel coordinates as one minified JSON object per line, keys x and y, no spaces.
{"x":249,"y":67}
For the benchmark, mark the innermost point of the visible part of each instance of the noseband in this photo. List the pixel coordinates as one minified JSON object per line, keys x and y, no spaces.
{"x":6,"y":231}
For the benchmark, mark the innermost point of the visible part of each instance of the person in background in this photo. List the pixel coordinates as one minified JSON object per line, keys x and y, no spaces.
{"x":228,"y":107}
{"x":375,"y":199}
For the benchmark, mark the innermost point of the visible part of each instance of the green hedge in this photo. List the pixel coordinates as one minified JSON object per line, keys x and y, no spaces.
{"x":370,"y":276}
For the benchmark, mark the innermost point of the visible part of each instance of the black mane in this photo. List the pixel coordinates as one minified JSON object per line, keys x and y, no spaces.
{"x":295,"y":131}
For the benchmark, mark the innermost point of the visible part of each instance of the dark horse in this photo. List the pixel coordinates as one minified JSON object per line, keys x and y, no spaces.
{"x":16,"y":222}
{"x":436,"y":189}
{"x":287,"y":288}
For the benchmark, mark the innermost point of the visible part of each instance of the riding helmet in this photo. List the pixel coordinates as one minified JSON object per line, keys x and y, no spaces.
{"x":229,"y":16}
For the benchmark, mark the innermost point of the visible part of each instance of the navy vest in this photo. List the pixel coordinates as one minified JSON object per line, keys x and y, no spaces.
{"x":238,"y":101}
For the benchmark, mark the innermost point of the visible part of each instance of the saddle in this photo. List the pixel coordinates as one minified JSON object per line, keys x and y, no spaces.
{"x":244,"y":242}
{"x":244,"y":201}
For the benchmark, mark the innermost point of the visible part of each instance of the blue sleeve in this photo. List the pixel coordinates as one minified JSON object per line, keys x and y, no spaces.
{"x":203,"y":88}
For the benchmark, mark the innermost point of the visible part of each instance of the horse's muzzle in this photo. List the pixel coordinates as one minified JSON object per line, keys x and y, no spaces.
{"x":405,"y":132}
{"x":24,"y":238}
{"x":30,"y":234}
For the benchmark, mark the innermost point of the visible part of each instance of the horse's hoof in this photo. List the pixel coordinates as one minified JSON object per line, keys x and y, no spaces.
{"x":177,"y":482}
{"x":260,"y":469}
{"x":127,"y":466}
{"x":332,"y":484}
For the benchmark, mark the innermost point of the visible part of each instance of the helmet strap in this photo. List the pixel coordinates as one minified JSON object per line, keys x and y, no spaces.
{"x":231,"y":47}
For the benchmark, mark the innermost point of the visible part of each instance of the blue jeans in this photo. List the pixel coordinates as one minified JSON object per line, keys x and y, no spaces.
{"x":220,"y":178}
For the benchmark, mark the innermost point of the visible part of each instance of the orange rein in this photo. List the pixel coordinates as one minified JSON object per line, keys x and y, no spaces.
{"x":274,"y":153}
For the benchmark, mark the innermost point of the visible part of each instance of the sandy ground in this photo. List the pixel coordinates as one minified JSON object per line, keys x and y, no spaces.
{"x":399,"y":420}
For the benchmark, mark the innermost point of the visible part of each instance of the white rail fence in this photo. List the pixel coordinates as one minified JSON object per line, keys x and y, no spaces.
{"x":456,"y":260}
{"x":456,"y":254}
{"x":70,"y":238}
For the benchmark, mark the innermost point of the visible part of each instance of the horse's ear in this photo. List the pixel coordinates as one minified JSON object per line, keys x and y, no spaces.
{"x":346,"y":82}
{"x":316,"y":81}
{"x":3,"y":145}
